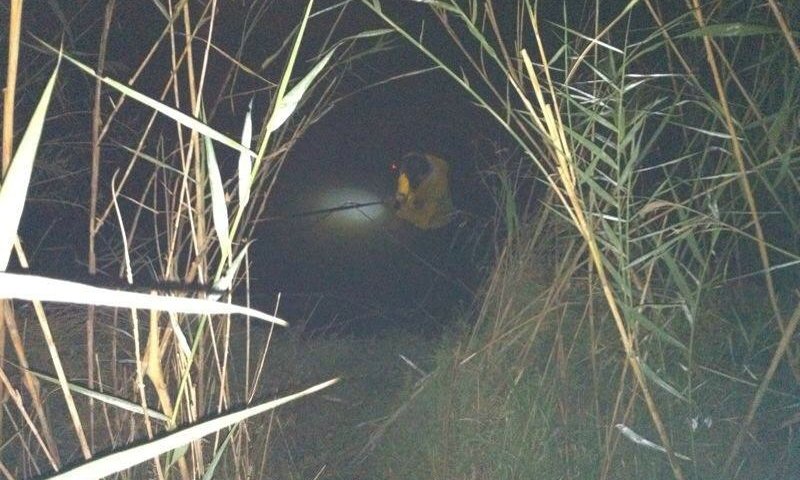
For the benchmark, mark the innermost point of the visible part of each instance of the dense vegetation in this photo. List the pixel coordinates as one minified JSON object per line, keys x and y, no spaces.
{"x":639,"y":319}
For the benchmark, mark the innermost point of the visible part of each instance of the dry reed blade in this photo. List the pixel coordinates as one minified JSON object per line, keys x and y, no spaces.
{"x":93,"y":187}
{"x":118,"y":461}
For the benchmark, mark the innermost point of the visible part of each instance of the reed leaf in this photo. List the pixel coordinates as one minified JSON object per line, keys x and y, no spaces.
{"x":188,"y":121}
{"x":111,"y":400}
{"x":289,"y":103}
{"x":734,"y":29}
{"x":219,"y":209}
{"x":33,"y":287}
{"x":245,"y":170}
{"x":14,"y":190}
{"x":121,"y":460}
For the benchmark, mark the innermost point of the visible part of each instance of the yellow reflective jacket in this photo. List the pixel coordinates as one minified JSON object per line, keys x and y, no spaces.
{"x":423,"y":191}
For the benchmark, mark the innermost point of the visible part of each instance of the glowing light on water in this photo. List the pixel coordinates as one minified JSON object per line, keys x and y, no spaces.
{"x":361,"y":217}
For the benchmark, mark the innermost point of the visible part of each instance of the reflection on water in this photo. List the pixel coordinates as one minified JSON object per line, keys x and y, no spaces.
{"x":360,"y":269}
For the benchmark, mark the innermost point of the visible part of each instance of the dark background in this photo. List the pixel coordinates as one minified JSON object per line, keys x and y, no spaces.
{"x":331,"y":268}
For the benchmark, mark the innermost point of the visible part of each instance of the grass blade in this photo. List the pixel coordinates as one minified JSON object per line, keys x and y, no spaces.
{"x":289,"y":102}
{"x":15,"y":186}
{"x":186,"y":120}
{"x":245,"y":169}
{"x":119,"y":461}
{"x":219,"y":211}
{"x":32,"y":287}
{"x":105,"y":398}
{"x":736,"y":29}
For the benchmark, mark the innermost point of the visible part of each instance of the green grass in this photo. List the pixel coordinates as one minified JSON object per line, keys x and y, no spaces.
{"x":518,"y":411}
{"x":666,"y":186}
{"x":328,"y":434}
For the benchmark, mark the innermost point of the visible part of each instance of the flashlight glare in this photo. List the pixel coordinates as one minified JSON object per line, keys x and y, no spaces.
{"x":361,"y":217}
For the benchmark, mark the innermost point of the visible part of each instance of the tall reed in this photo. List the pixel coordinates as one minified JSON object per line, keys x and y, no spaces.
{"x":656,"y":134}
{"x":161,"y":369}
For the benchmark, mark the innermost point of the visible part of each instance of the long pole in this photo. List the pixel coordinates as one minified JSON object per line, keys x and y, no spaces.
{"x":324,"y":211}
